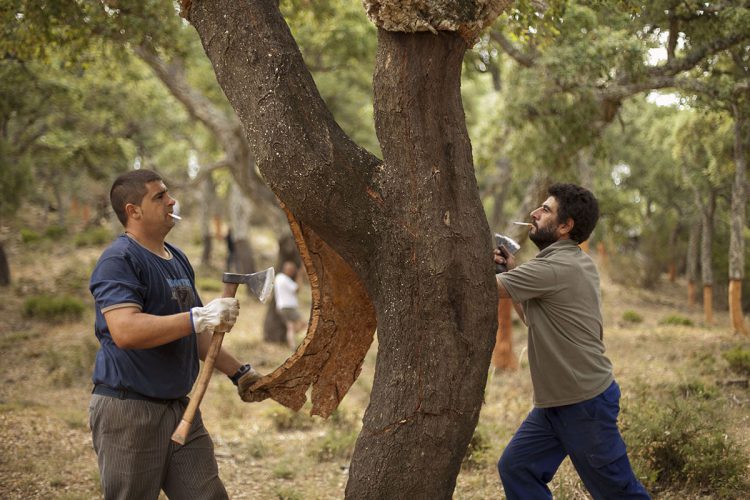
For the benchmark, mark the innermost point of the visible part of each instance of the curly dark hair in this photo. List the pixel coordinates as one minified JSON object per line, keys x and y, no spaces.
{"x":577,"y":203}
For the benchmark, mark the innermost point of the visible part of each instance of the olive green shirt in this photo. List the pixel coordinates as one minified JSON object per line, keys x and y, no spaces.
{"x":559,"y":291}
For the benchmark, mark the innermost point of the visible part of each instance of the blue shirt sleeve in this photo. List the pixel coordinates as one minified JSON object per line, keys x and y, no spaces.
{"x":115,"y":282}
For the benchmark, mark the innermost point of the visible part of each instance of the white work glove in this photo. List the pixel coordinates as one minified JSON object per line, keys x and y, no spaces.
{"x":218,"y":315}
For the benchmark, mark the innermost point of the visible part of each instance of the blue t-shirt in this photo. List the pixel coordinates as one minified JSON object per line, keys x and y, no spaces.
{"x":128,"y":274}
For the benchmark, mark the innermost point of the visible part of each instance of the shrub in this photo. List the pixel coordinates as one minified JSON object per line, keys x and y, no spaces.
{"x":284,"y":471}
{"x":288,"y":420}
{"x":477,"y":454}
{"x":630,"y":316}
{"x":738,"y":359}
{"x":29,"y":235}
{"x":53,"y":308}
{"x":677,"y":320}
{"x":55,"y":233}
{"x":679,"y":441}
{"x":288,"y":493}
{"x":93,"y":236}
{"x":72,"y":363}
{"x":336,"y":444}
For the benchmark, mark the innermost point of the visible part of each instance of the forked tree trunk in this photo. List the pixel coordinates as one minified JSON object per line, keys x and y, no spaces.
{"x":737,"y":221}
{"x":411,"y":227}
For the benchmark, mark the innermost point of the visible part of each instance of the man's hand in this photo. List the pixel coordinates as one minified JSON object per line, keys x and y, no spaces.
{"x":218,"y":315}
{"x":245,"y":382}
{"x":504,"y":258}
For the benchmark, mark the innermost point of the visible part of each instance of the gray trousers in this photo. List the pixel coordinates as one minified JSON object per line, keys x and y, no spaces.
{"x":137,"y":458}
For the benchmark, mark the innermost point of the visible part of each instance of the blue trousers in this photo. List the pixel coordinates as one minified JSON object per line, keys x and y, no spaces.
{"x":588,"y":433}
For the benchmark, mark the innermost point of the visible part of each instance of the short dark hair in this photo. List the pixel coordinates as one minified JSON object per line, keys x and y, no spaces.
{"x":577,"y":203}
{"x":130,"y":187}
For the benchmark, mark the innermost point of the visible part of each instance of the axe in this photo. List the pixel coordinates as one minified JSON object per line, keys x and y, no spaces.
{"x":261,"y":284}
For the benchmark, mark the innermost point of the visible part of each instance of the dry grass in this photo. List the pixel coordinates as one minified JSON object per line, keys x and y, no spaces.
{"x":264,"y":451}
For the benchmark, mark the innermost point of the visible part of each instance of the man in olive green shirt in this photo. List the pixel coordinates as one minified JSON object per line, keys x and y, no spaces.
{"x":576,"y":400}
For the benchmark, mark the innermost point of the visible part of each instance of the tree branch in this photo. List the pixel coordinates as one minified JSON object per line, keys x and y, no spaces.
{"x":525,"y":59}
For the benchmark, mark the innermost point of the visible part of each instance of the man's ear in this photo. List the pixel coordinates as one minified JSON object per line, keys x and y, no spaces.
{"x":567,"y":227}
{"x":133,"y":211}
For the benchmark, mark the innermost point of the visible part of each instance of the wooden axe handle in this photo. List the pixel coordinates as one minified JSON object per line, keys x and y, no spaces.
{"x":183,"y":429}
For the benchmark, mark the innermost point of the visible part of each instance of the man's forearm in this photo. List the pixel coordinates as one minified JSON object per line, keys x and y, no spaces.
{"x":502,"y":293}
{"x":225,"y":362}
{"x":132,"y":329}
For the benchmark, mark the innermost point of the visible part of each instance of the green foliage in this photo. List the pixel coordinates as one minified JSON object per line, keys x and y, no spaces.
{"x":676,"y":320}
{"x":29,"y":236}
{"x":46,"y":307}
{"x":631,"y":316}
{"x":70,"y":364}
{"x":55,"y":233}
{"x":334,"y":445}
{"x":289,"y":493}
{"x":93,"y":236}
{"x":287,"y":420}
{"x":678,"y":440}
{"x":284,"y":471}
{"x":739,"y":359}
{"x":479,"y":452}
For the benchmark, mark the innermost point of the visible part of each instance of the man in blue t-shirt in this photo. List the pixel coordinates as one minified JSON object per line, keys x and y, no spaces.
{"x":152,"y":329}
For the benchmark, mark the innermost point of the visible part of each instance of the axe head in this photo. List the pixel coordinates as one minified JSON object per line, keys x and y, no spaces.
{"x":260,"y":283}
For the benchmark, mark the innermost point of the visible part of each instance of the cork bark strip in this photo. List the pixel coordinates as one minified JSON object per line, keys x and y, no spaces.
{"x":340,"y":332}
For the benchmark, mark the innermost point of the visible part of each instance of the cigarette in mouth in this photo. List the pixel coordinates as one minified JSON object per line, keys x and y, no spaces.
{"x":523,"y":223}
{"x":176,"y":217}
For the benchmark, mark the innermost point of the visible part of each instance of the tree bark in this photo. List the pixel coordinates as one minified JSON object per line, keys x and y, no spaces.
{"x":738,"y":218}
{"x":243,"y":258}
{"x":503,"y":357}
{"x":208,"y":201}
{"x":707,"y":273}
{"x":411,"y":227}
{"x":435,"y":343}
{"x":692,"y":260}
{"x":4,"y":267}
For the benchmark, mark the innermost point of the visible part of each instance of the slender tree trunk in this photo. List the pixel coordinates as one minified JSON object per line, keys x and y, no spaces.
{"x":503,"y":357}
{"x":4,"y":267}
{"x":707,"y":273}
{"x":672,"y":265}
{"x":239,"y":222}
{"x":737,"y":221}
{"x":208,"y":201}
{"x":692,"y":260}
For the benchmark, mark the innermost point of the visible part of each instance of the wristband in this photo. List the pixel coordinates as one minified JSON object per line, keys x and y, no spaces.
{"x":239,"y":373}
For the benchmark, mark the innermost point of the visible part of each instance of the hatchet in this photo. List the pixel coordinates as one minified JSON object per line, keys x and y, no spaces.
{"x":261,"y":284}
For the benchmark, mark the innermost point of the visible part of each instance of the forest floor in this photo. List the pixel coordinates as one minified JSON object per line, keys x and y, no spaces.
{"x":265,"y":451}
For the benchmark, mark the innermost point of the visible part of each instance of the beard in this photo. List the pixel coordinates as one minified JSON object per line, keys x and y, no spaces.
{"x":543,"y":237}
